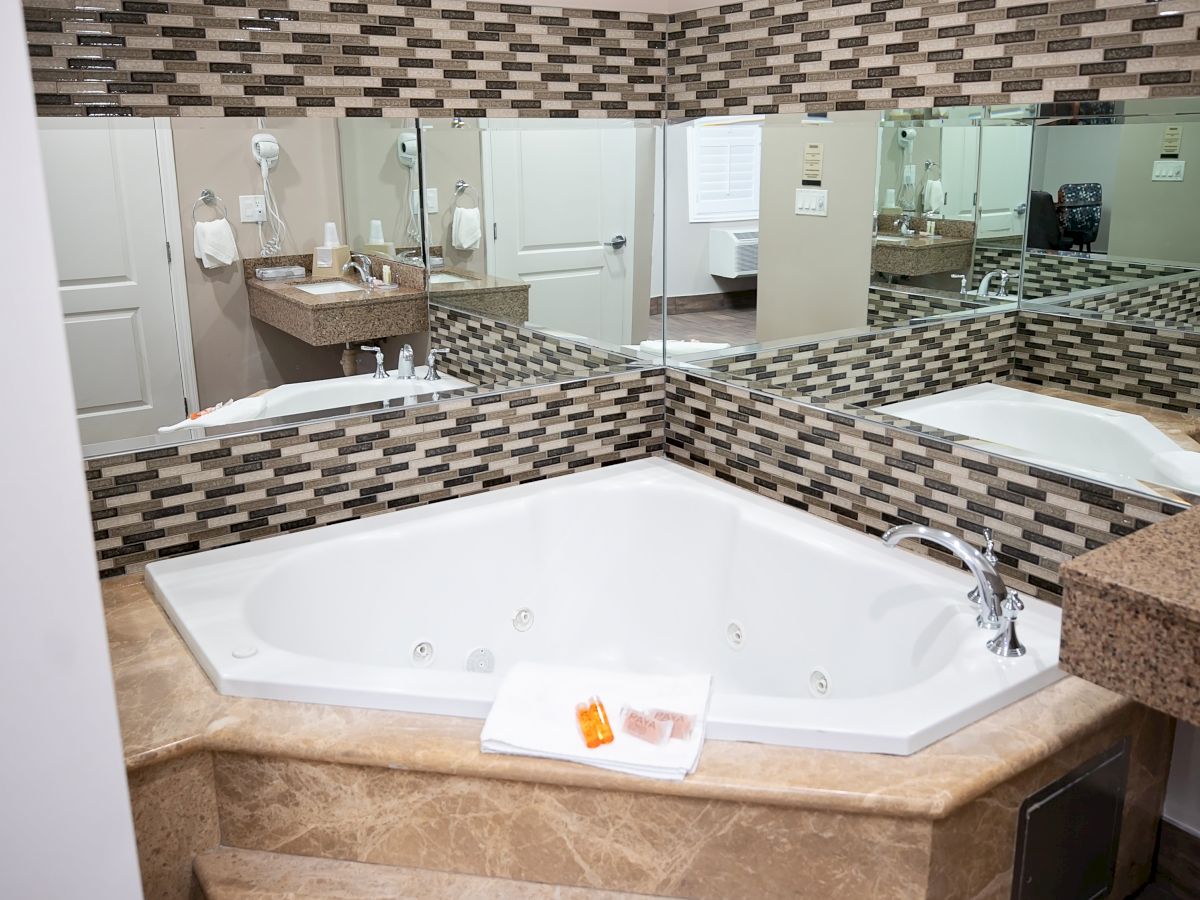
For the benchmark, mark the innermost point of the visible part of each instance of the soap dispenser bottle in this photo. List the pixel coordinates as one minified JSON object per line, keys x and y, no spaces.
{"x":331,"y":257}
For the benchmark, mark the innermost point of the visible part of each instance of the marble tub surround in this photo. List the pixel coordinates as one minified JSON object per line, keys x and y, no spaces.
{"x":499,"y":298}
{"x":229,"y":874}
{"x":1131,"y":617}
{"x":296,"y":778}
{"x":193,"y":496}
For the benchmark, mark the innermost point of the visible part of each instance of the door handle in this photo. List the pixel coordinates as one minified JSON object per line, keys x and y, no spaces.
{"x":617,"y":242}
{"x":1020,"y":210}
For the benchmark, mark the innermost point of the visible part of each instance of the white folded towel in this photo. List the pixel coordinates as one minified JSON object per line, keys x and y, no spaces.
{"x":214,"y":244}
{"x":935,"y":197}
{"x":534,"y":715}
{"x":466,"y":230}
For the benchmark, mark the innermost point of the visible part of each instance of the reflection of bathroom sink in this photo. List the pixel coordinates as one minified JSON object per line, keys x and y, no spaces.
{"x":447,"y":278}
{"x":308,"y":397}
{"x":329,"y":287}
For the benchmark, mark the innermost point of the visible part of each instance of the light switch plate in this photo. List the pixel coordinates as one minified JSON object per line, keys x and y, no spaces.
{"x":812,"y":202}
{"x":1167,"y":170}
{"x":431,"y":200}
{"x":252,"y":207}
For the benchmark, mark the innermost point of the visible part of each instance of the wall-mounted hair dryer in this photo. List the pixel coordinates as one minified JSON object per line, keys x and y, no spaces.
{"x":406,"y":149}
{"x":265,"y":149}
{"x":906,"y":137}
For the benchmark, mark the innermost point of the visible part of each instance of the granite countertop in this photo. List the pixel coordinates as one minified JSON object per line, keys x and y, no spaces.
{"x":1131,"y":616}
{"x":169,"y":708}
{"x":920,"y":241}
{"x":290,"y":292}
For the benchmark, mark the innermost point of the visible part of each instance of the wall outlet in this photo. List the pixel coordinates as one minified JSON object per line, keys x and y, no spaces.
{"x":1167,"y":170}
{"x":812,"y":202}
{"x":253,"y":207}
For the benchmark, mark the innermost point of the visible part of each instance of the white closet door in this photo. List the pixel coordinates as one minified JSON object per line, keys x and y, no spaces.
{"x":110,"y":241}
{"x":1003,"y":180}
{"x":559,"y":198}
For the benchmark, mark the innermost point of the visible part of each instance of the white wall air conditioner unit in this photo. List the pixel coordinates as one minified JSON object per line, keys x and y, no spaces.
{"x":733,"y":253}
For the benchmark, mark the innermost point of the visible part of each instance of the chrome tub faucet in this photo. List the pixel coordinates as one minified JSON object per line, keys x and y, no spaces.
{"x":404,"y":365}
{"x":999,"y":606}
{"x":380,"y":371}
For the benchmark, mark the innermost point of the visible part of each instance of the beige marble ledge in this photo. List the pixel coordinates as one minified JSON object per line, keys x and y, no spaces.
{"x":169,"y":708}
{"x":227,"y":873}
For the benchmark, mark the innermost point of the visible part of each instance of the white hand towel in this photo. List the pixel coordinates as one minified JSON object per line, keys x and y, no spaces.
{"x":214,"y":244}
{"x":935,"y":197}
{"x":534,"y":715}
{"x":466,"y":230}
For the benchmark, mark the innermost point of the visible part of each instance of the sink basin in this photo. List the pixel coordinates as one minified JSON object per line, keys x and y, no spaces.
{"x":447,"y":278}
{"x":901,"y":238}
{"x":329,"y":287}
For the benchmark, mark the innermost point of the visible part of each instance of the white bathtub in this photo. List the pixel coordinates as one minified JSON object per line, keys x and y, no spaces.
{"x":645,"y":566}
{"x":1101,"y":444}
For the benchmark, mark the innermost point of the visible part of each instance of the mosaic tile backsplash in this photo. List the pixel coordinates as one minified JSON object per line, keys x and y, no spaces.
{"x":886,"y":367}
{"x":869,"y":476}
{"x":487,"y":351}
{"x":766,"y":56}
{"x":176,"y":500}
{"x":1172,"y":300}
{"x":1048,"y":274}
{"x":446,"y":57}
{"x":333,"y":57}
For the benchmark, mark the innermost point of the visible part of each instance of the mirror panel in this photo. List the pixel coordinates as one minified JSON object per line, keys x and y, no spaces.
{"x":219,"y":276}
{"x":548,"y":225}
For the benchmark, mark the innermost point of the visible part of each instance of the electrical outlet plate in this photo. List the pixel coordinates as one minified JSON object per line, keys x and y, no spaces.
{"x":253,"y":208}
{"x":1167,"y":170}
{"x":431,"y":200}
{"x":812,"y":202}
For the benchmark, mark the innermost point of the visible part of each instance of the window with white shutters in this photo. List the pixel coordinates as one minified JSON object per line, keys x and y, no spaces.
{"x":723,"y":168}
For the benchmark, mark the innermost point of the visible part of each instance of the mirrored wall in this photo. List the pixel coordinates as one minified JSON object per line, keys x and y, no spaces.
{"x":219,"y":276}
{"x":1019,"y":278}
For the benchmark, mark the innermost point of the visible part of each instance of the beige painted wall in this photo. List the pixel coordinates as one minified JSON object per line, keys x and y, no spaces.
{"x":1155,"y":220}
{"x":375,"y":184}
{"x":453,"y":154}
{"x":813,"y":272}
{"x":235,"y":354}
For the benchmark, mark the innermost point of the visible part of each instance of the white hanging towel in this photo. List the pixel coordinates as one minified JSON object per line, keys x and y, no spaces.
{"x":935,"y":197}
{"x":534,"y":715}
{"x":466,"y":230}
{"x":214,"y":244}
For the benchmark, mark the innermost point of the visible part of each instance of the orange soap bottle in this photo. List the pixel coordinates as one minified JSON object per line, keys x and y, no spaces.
{"x":588,"y":726}
{"x":603,"y":728}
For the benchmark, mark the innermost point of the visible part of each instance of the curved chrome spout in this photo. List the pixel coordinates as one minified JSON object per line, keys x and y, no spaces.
{"x":992,"y":590}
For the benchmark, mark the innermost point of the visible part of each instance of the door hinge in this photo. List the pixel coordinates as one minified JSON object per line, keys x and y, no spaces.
{"x":186,"y":411}
{"x":495,"y":232}
{"x":169,"y":252}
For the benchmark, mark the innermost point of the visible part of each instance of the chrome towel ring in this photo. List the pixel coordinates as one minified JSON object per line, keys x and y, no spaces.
{"x":209,"y":198}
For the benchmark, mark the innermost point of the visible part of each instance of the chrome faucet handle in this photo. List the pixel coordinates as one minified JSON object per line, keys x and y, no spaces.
{"x":1006,"y":643}
{"x":431,"y":369}
{"x":380,"y":371}
{"x":962,"y":283}
{"x":1004,"y":276}
{"x":989,"y":546}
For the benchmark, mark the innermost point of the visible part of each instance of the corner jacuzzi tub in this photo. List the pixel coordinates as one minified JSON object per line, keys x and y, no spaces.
{"x":815,"y":636}
{"x":1106,"y":445}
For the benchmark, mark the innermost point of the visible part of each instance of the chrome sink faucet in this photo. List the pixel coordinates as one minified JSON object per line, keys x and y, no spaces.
{"x":999,"y":606}
{"x":431,"y":361}
{"x":904,"y":224}
{"x":361,"y":264}
{"x":380,"y":371}
{"x":404,"y":366}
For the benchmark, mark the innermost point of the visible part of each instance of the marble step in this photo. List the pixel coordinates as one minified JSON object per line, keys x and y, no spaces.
{"x":226,"y":873}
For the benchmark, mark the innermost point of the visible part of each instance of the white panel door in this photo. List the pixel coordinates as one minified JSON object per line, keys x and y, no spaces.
{"x":110,"y":241}
{"x":559,"y":198}
{"x":1003,"y":180}
{"x":960,"y":162}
